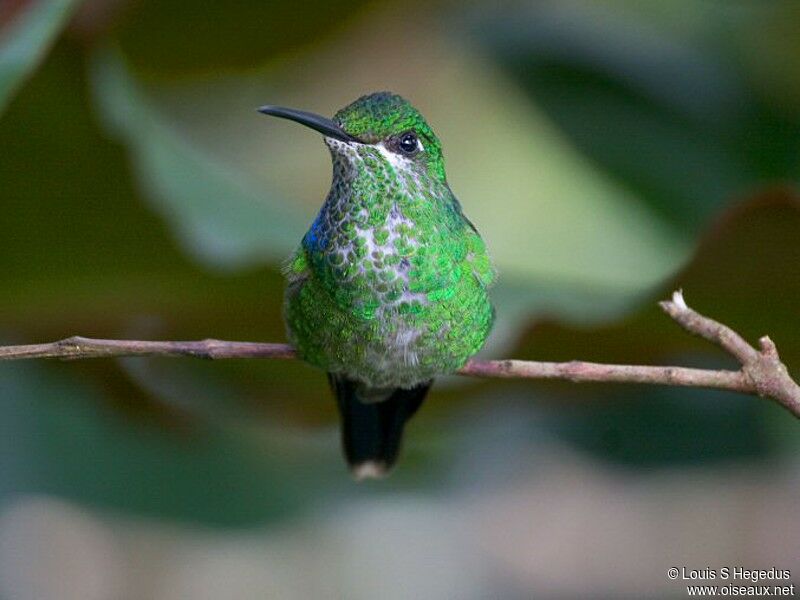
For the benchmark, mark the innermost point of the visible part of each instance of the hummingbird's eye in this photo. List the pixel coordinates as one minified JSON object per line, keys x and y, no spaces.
{"x":408,"y":143}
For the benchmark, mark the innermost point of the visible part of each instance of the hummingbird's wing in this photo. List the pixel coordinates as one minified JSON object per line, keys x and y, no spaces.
{"x":296,"y":270}
{"x":482,"y":267}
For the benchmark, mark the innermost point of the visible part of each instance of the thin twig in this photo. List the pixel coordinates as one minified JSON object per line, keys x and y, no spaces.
{"x":761,"y":374}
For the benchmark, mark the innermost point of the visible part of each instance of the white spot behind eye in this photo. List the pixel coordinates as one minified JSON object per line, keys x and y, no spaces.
{"x":393,"y":158}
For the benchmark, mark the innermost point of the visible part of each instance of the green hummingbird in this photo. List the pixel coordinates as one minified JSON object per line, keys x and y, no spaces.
{"x":388,"y":288}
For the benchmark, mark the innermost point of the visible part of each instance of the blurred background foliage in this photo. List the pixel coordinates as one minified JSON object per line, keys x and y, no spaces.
{"x":608,"y":150}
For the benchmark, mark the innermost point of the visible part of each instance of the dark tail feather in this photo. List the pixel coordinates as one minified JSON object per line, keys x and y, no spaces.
{"x":372,"y":430}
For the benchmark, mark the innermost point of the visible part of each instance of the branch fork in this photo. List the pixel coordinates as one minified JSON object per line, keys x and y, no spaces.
{"x":762,"y":371}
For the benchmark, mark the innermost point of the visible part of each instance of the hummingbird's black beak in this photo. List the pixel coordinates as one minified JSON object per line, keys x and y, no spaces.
{"x":325,"y":126}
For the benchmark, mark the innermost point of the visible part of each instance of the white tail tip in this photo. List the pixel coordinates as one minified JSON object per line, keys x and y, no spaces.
{"x":369,"y":470}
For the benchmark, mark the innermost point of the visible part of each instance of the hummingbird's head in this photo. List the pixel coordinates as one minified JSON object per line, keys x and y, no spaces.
{"x":382,"y":126}
{"x":390,"y":123}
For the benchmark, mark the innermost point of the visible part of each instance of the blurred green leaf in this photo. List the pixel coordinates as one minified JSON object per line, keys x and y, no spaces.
{"x":662,"y":105}
{"x":25,"y":41}
{"x":665,"y":427}
{"x":57,"y":437}
{"x":218,"y":214}
{"x":746,"y":274}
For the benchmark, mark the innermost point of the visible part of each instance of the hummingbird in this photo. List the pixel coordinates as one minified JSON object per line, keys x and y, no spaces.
{"x":389,"y":286}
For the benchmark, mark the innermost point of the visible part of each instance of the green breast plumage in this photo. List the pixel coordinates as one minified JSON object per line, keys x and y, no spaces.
{"x":389,"y":284}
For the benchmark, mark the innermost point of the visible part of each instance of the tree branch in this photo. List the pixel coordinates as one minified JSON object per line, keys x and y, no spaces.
{"x":81,"y":347}
{"x":761,"y":372}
